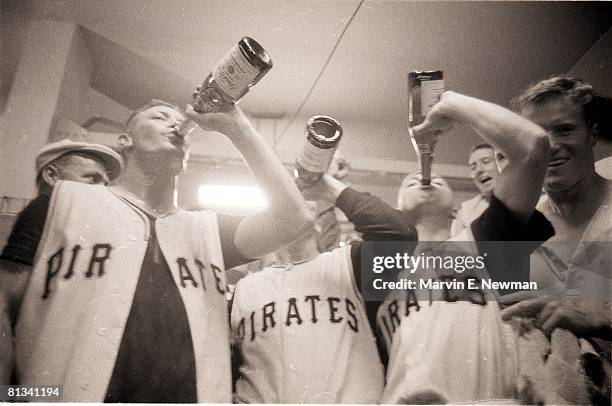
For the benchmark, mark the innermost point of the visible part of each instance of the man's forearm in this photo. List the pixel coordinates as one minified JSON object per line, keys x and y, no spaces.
{"x":287,"y":217}
{"x":524,"y":144}
{"x":511,"y":134}
{"x":286,"y":202}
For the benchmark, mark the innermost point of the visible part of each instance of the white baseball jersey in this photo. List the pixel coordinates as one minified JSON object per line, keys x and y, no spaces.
{"x":451,"y":349}
{"x":84,"y":278}
{"x":304,"y":336}
{"x":469,"y":211}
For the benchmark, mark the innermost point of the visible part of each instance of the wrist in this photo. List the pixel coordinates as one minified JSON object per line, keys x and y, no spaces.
{"x":335,"y":187}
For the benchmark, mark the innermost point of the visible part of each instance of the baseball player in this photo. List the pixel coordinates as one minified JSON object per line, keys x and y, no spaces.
{"x":446,"y":344}
{"x":484,"y":172}
{"x":125,"y":301}
{"x":61,"y":160}
{"x":575,"y":266}
{"x":302,"y":328}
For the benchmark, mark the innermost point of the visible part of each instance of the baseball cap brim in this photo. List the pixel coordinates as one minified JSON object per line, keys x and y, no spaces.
{"x":51,"y":152}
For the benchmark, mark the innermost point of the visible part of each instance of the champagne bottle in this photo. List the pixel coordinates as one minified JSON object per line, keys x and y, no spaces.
{"x":322,"y":136}
{"x":424,"y":90}
{"x":231,"y":79}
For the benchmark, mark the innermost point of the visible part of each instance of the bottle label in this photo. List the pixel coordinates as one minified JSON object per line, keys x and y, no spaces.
{"x":234,"y":73}
{"x":313,"y":158}
{"x":430,"y":94}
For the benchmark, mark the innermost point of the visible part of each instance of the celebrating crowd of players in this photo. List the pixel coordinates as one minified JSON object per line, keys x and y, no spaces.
{"x":118,"y":295}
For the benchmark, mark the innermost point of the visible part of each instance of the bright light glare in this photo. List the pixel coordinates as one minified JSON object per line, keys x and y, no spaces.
{"x":231,"y":196}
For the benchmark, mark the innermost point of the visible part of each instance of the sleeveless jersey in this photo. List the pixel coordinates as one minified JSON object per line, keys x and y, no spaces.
{"x":84,"y":277}
{"x":304,"y":336}
{"x":446,"y":345}
{"x":588,"y":271}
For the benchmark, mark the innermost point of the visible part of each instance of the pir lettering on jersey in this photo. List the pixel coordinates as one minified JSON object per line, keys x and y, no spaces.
{"x":100,"y":254}
{"x":312,"y":309}
{"x":392,"y":312}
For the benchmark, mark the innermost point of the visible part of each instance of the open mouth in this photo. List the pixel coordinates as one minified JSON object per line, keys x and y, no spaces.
{"x":485,"y":180}
{"x":556,"y":162}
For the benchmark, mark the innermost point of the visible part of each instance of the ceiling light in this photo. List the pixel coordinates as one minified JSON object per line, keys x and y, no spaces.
{"x":231,"y":196}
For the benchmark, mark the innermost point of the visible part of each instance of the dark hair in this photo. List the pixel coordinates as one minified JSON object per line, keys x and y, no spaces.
{"x":152,"y":103}
{"x":596,"y":108}
{"x":482,"y":145}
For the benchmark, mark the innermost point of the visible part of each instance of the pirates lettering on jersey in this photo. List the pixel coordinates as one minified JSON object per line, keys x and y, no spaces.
{"x":100,"y":253}
{"x":186,"y":274}
{"x":97,"y":260}
{"x":312,"y":309}
{"x":391,"y":313}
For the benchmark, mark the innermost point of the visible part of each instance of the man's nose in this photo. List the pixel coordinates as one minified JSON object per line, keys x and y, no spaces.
{"x":554,"y":142}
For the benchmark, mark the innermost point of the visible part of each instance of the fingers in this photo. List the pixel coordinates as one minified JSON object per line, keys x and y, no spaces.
{"x":526,"y":308}
{"x":556,"y":319}
{"x":206,"y":121}
{"x":429,"y":130}
{"x":307,"y":189}
{"x":546,"y":312}
{"x":551,"y":314}
{"x":196,"y":91}
{"x":190,"y":112}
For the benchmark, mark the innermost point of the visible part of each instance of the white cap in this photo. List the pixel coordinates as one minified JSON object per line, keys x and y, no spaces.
{"x":51,"y":152}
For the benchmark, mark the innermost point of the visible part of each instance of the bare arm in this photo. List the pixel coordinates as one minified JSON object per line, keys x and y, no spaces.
{"x":523,"y":143}
{"x":13,"y":281}
{"x":287,"y":216}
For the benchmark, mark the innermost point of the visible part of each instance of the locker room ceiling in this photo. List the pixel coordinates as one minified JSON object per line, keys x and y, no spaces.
{"x":347,"y":59}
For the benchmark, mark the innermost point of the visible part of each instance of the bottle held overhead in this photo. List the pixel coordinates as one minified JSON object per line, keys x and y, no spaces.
{"x":322,"y":136}
{"x":231,"y":79}
{"x":424,"y":91}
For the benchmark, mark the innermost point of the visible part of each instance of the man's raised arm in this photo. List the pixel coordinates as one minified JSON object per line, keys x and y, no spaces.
{"x":287,"y":216}
{"x":523,"y":143}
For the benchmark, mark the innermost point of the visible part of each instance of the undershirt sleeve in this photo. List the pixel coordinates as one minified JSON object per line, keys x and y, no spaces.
{"x":493,"y":232}
{"x":27,"y":232}
{"x":232,"y":256}
{"x":498,"y":223}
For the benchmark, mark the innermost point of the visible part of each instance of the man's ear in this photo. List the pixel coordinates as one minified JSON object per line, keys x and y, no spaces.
{"x":125,"y":140}
{"x":51,"y":175}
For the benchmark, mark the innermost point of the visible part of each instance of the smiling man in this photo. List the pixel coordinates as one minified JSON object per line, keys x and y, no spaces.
{"x":484,"y":173}
{"x":577,"y":260}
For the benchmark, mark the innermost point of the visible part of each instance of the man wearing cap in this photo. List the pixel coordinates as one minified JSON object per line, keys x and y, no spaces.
{"x":77,"y":161}
{"x":126,"y":298}
{"x":62,"y":160}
